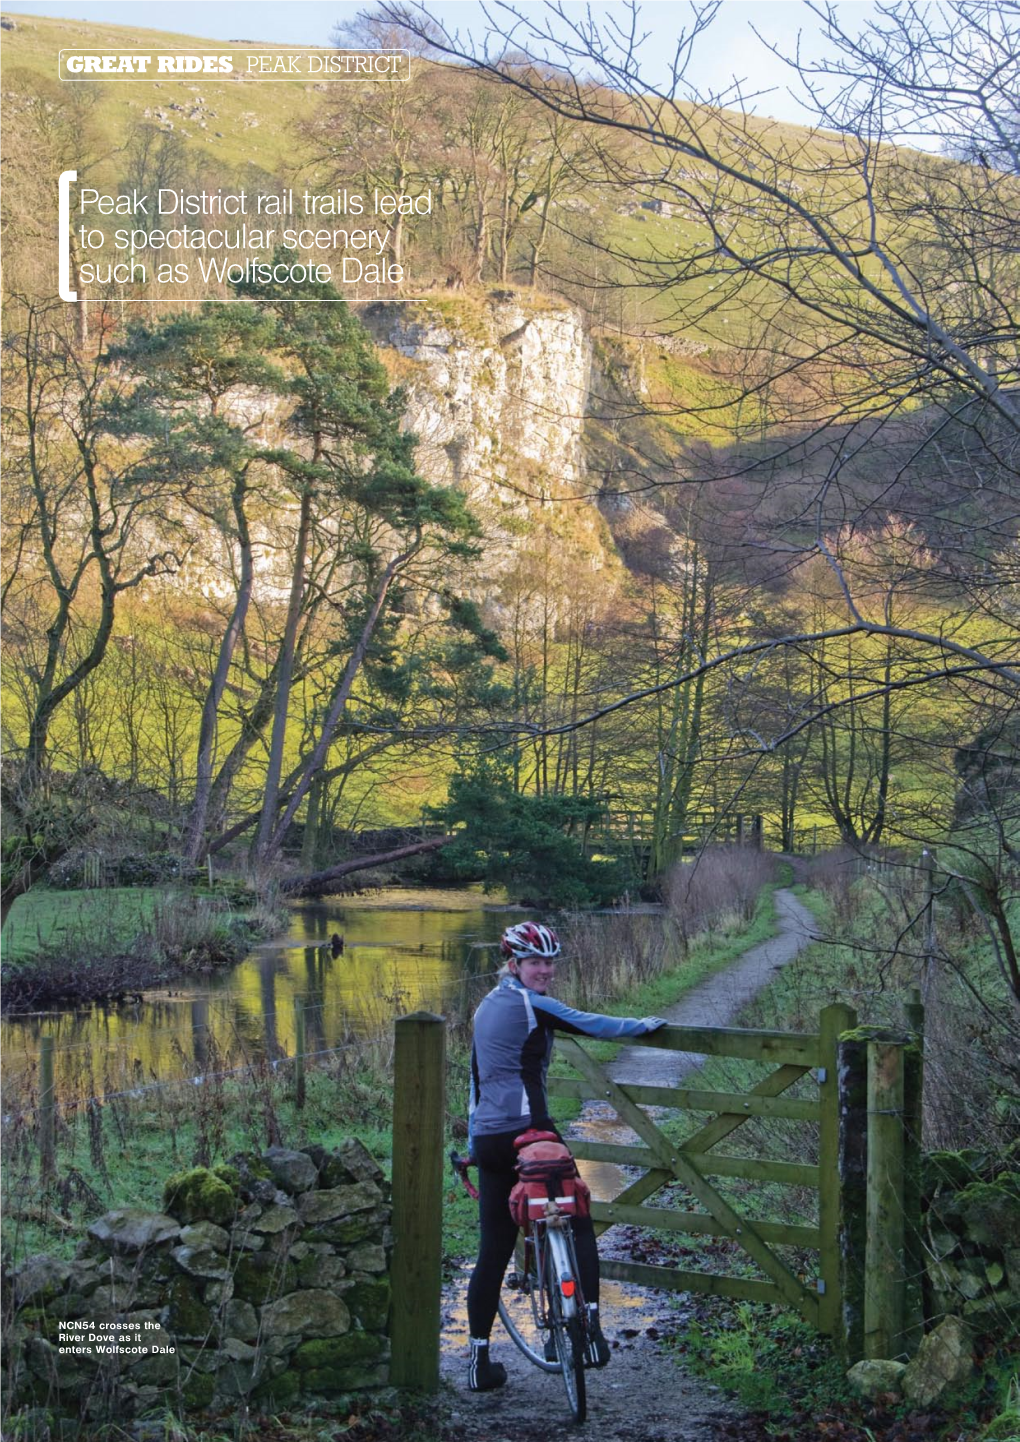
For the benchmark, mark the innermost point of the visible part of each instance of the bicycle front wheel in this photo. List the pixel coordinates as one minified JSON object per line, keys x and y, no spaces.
{"x":567,"y":1330}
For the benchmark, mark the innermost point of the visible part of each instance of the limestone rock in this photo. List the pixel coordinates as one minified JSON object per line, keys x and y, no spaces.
{"x":187,"y":1316}
{"x":53,"y":1367}
{"x":260,"y":1278}
{"x":40,"y":1278}
{"x":316,"y":1208}
{"x":239,"y":1351}
{"x":369,"y":1257}
{"x":127,"y":1229}
{"x":205,"y":1234}
{"x":989,"y":1212}
{"x":201,"y":1195}
{"x":320,"y":1271}
{"x":369,"y":1301}
{"x":155,"y":1368}
{"x":201,"y":1262}
{"x":943,"y":1359}
{"x":219,"y":1293}
{"x":107,"y":1302}
{"x":873,"y":1378}
{"x":359,"y":1162}
{"x":292,"y":1171}
{"x":240,"y":1320}
{"x":276,"y":1219}
{"x":312,"y":1313}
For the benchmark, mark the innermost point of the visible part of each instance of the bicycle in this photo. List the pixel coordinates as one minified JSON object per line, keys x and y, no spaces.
{"x":542,"y":1306}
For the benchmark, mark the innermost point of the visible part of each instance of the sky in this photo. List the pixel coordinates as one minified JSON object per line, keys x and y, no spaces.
{"x":731,"y":50}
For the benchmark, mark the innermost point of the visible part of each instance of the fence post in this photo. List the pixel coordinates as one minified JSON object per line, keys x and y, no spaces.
{"x":853,"y":1189}
{"x":834,"y":1020}
{"x":913,"y":1146}
{"x":419,"y":1106}
{"x":47,"y":1111}
{"x":299,"y":1053}
{"x":885,"y":1264}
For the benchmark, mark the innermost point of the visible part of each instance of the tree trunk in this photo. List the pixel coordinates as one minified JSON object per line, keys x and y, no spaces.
{"x":319,"y":883}
{"x":338,"y":705}
{"x":195,"y":831}
{"x":284,"y":681}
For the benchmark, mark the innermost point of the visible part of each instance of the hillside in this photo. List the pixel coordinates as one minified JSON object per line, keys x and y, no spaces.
{"x":227,"y":126}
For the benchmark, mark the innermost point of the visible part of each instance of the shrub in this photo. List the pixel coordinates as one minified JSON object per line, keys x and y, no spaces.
{"x":722,"y":881}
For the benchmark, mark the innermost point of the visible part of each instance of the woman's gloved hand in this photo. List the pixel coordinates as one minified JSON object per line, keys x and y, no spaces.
{"x":652,"y":1023}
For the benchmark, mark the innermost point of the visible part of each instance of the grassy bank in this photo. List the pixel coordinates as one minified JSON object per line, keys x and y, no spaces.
{"x":65,"y":948}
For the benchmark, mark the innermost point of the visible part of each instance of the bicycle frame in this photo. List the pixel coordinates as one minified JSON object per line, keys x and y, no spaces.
{"x":552,"y":1310}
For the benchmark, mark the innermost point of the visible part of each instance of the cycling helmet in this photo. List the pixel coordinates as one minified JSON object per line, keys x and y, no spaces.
{"x":529,"y":939}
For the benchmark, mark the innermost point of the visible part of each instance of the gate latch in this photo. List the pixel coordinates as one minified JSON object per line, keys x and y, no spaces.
{"x":820,"y":1285}
{"x":821,"y":1074}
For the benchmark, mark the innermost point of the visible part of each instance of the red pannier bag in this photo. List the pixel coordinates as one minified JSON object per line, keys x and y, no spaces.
{"x":546,"y":1170}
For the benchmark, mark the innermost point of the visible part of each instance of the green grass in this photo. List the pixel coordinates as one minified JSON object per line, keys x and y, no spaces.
{"x":270,"y":144}
{"x":142,"y":1139}
{"x":770,"y":1358}
{"x":44,"y":920}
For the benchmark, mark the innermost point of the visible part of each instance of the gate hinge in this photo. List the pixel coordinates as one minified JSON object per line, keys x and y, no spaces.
{"x":820,"y":1286}
{"x":821,"y":1075}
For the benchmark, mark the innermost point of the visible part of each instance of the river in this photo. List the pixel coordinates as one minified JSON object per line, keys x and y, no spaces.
{"x":403,"y":951}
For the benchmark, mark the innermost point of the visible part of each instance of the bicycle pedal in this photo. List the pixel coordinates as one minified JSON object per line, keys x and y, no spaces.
{"x":514,"y":1281}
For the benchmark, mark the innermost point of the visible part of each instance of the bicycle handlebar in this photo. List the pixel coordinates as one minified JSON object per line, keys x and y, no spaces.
{"x":460,"y":1167}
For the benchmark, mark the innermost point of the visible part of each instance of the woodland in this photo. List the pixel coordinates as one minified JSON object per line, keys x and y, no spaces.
{"x":780,"y":583}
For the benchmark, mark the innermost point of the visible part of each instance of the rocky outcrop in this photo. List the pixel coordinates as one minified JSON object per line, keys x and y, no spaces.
{"x":498,"y":394}
{"x":264,"y":1280}
{"x":498,"y":388}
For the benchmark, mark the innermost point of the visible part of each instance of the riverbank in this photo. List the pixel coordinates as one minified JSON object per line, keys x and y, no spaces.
{"x":66,"y":949}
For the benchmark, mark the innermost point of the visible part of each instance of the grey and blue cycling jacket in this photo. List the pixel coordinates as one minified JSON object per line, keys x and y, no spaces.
{"x":513,"y":1039}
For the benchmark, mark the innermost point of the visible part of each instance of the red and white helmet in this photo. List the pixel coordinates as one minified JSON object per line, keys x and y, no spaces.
{"x":529,"y":939}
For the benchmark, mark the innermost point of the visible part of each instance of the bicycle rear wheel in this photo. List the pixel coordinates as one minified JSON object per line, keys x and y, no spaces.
{"x":565,"y":1323}
{"x":520,"y":1307}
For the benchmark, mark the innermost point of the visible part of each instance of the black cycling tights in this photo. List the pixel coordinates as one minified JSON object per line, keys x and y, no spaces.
{"x":497,"y":1160}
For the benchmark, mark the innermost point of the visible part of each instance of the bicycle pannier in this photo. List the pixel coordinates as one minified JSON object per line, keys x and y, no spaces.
{"x":546,"y":1170}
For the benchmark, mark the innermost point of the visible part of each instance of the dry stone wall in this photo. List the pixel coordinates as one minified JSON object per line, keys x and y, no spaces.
{"x":971,"y":1202}
{"x":265,"y":1280}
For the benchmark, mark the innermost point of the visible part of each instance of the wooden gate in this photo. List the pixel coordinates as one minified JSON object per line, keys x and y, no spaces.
{"x":846,"y":1291}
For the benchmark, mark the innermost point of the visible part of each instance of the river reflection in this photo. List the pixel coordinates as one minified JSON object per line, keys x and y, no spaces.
{"x":403,"y":951}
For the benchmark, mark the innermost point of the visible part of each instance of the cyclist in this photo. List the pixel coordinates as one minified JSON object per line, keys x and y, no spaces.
{"x":513,"y":1037}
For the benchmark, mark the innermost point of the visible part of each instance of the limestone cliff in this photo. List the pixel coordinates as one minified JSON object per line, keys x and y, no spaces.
{"x":498,"y":390}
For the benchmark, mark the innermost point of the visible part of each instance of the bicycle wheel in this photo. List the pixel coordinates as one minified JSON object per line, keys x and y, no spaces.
{"x":565,"y":1310}
{"x":520,"y":1311}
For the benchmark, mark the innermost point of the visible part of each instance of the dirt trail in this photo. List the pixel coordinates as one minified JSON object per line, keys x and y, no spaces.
{"x":642,"y":1396}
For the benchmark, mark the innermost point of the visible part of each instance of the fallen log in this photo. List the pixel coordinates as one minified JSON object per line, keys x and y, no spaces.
{"x":320,"y":882}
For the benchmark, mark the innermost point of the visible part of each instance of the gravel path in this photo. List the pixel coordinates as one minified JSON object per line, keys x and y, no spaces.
{"x":643,"y":1396}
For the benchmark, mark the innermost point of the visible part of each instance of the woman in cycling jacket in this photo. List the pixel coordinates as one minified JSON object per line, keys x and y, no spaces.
{"x":513,"y":1038}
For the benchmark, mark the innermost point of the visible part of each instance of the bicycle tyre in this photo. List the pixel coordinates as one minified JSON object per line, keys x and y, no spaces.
{"x":519,"y":1311}
{"x":567,"y":1332}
